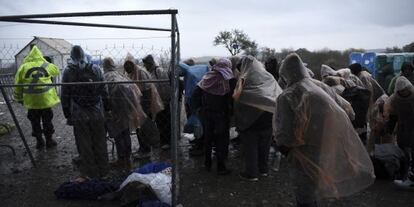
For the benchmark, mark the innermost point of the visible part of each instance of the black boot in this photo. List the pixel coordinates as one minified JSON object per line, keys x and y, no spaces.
{"x":39,"y":142}
{"x":50,"y":142}
{"x":222,"y":169}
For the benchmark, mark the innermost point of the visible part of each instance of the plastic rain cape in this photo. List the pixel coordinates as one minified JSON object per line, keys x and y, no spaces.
{"x":125,"y":102}
{"x":322,"y":141}
{"x":141,"y":74}
{"x":256,"y":87}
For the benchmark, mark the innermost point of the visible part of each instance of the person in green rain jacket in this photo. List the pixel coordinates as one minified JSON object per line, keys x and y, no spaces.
{"x":38,"y":100}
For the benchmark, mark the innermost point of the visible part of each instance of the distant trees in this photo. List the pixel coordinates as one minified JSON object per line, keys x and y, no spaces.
{"x":236,"y":41}
{"x":405,"y":48}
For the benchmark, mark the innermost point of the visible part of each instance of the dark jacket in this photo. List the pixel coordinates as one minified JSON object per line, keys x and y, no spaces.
{"x":73,"y":110}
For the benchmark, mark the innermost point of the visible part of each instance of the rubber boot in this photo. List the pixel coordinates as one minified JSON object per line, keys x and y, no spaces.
{"x":222,"y":169}
{"x":39,"y":142}
{"x":50,"y":142}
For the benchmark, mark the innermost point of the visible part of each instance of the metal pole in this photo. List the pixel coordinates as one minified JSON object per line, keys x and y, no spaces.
{"x":84,"y":83}
{"x":16,"y":122}
{"x":174,"y":115}
{"x":85,"y":24}
{"x":93,"y":14}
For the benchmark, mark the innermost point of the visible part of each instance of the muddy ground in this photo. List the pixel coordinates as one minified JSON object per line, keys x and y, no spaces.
{"x":23,"y":185}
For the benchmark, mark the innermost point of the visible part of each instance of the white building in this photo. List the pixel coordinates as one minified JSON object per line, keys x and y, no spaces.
{"x":57,"y":49}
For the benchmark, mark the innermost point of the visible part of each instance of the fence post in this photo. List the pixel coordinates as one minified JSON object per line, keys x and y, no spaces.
{"x":174,"y":114}
{"x":16,"y":122}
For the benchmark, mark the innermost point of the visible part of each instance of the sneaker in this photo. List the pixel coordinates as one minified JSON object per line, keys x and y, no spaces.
{"x":406,"y":184}
{"x":264,"y":174}
{"x":165,"y":147}
{"x":246,"y":177}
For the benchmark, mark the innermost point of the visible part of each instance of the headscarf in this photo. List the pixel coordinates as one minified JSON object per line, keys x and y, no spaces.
{"x":216,"y":81}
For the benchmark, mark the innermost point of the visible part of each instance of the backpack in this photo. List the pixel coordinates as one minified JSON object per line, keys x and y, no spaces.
{"x":86,"y":95}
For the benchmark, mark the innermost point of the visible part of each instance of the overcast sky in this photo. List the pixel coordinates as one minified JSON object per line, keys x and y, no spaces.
{"x":316,"y":24}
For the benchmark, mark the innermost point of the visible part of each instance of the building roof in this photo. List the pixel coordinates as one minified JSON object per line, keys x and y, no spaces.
{"x":60,"y":45}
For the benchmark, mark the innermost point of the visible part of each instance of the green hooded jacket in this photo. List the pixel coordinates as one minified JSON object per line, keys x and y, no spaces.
{"x":35,"y":69}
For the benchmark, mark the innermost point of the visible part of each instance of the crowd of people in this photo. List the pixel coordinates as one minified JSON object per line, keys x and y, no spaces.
{"x":328,"y":128}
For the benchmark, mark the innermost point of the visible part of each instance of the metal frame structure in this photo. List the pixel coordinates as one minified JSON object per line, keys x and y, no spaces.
{"x":175,"y":57}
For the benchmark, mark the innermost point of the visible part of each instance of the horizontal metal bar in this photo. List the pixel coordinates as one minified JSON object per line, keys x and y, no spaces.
{"x":86,"y":24}
{"x":86,"y":14}
{"x":6,"y":74}
{"x":84,"y":83}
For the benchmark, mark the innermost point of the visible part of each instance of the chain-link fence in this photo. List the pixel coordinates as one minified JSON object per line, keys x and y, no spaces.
{"x":57,"y":51}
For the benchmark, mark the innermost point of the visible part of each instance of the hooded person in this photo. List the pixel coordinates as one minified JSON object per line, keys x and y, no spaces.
{"x":126,"y":114}
{"x":378,"y":134}
{"x":83,"y":107}
{"x":406,"y":71}
{"x":151,"y":103}
{"x":38,"y":100}
{"x":163,"y":119}
{"x":271,"y":66}
{"x":211,"y":99}
{"x":368,"y":81}
{"x":255,"y":102}
{"x":327,"y":157}
{"x":399,"y":109}
{"x":282,"y":83}
{"x":192,"y":76}
{"x":332,"y":90}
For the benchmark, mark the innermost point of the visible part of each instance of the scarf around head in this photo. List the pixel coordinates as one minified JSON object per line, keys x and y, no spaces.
{"x":216,"y":81}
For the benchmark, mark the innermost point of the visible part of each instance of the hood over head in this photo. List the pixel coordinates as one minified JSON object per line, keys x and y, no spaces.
{"x":108,"y":64}
{"x":327,"y":71}
{"x":356,"y":68}
{"x":292,"y":69}
{"x":34,"y":55}
{"x":402,"y":83}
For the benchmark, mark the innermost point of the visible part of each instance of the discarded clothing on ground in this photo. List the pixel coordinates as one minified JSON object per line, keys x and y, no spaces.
{"x":132,"y":194}
{"x":160,"y":183}
{"x":153,"y":168}
{"x":153,"y":203}
{"x":87,"y":190}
